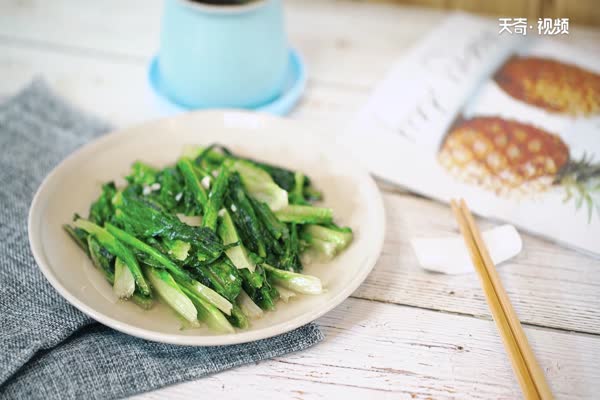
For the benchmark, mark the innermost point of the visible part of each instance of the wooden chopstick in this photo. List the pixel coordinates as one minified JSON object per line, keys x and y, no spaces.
{"x":528,"y":372}
{"x":535,"y":370}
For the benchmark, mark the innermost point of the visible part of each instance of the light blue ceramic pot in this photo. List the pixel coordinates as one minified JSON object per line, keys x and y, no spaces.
{"x":222,"y":56}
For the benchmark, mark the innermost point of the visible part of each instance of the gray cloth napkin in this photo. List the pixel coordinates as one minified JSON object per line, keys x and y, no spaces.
{"x":48,"y":349}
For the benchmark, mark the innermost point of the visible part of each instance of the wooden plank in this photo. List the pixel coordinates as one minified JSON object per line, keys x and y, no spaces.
{"x":119,"y":92}
{"x":380,"y":35}
{"x":548,"y":284}
{"x":126,"y":28}
{"x":585,"y":12}
{"x":580,"y":12}
{"x":372,"y":349}
{"x":357,"y":57}
{"x":434,"y":355}
{"x":376,"y":350}
{"x":507,"y":8}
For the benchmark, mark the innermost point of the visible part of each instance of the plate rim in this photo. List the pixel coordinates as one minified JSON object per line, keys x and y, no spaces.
{"x":35,"y":242}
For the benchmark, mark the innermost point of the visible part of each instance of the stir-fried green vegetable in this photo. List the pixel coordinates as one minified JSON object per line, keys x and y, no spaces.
{"x":117,"y":249}
{"x":218,"y":237}
{"x":124,"y":285}
{"x":326,"y":241}
{"x":305,"y":214}
{"x":305,"y":284}
{"x":237,"y":254}
{"x":171,"y":293}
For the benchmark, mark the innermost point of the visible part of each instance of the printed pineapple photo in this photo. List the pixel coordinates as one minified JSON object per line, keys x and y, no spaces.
{"x":510,"y":125}
{"x":553,"y":85}
{"x":510,"y":157}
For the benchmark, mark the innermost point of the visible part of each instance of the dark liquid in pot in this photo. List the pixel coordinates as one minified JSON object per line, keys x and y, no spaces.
{"x":223,"y":2}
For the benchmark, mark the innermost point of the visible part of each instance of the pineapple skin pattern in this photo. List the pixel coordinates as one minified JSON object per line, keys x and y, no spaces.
{"x":552,"y":85}
{"x":505,"y":156}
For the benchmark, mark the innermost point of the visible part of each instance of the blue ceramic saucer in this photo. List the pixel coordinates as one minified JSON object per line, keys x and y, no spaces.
{"x":295,"y":83}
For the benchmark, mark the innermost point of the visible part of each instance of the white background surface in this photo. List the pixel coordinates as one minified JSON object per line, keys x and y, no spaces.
{"x":405,"y":333}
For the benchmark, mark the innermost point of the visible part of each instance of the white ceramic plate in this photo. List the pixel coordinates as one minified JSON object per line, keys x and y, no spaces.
{"x":75,"y":183}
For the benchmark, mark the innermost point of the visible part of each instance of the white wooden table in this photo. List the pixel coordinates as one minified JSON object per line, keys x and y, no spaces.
{"x":405,"y":333}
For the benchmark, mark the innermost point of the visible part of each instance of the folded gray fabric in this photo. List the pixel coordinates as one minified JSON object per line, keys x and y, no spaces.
{"x":48,"y":349}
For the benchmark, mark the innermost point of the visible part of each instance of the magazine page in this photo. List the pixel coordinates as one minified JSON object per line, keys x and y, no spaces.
{"x":510,"y":123}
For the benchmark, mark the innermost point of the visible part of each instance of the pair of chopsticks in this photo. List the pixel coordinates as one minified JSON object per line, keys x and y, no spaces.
{"x":529,"y":374}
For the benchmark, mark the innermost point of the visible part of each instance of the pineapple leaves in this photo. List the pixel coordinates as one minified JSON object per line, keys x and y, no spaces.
{"x":583,"y":195}
{"x":568,"y":195}
{"x":581,"y":181}
{"x":580,"y":196}
{"x":590,"y":206}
